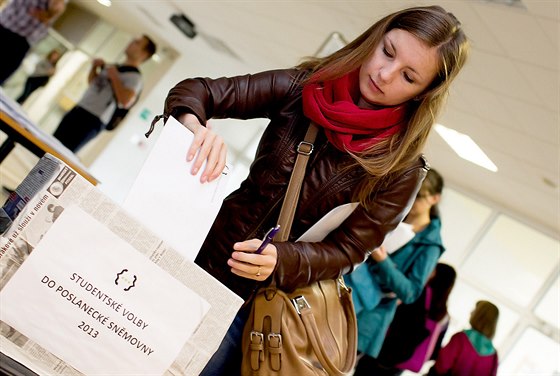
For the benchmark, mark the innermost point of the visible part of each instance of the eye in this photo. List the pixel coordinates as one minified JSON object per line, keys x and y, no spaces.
{"x":408,"y":78}
{"x":386,"y":52}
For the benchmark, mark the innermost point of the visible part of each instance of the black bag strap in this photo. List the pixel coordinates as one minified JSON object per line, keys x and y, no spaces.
{"x":124,"y":69}
{"x":304,"y":150}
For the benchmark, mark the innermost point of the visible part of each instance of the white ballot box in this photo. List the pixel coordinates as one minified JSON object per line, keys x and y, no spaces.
{"x":85,"y":288}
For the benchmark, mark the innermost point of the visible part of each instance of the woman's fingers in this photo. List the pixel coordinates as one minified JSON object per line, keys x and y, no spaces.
{"x":249,"y":271}
{"x":207,"y":147}
{"x":245,"y":263}
{"x":215,"y":149}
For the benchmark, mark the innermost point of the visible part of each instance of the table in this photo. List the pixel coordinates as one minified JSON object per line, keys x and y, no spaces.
{"x":19,"y":129}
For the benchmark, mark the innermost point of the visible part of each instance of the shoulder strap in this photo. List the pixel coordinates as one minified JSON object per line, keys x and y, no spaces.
{"x":127,"y":68}
{"x":304,"y":149}
{"x":123,"y":69}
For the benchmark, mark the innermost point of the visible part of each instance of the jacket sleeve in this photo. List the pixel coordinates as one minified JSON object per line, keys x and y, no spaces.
{"x":241,"y":97}
{"x":301,"y":263}
{"x":408,"y":286}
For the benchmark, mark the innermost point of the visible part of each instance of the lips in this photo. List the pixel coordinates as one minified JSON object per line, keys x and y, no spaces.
{"x":375,"y":86}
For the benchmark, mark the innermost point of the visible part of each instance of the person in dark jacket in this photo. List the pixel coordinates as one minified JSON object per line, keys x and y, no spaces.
{"x":379,"y":283}
{"x":471,"y":352}
{"x":374,"y":102}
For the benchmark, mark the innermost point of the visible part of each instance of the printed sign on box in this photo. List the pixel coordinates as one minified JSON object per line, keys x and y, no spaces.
{"x":90,"y":298}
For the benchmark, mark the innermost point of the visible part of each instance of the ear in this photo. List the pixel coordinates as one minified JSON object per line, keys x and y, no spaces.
{"x":434,"y":199}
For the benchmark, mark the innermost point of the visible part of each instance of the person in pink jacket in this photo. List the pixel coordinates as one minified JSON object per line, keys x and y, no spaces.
{"x":471,"y":352}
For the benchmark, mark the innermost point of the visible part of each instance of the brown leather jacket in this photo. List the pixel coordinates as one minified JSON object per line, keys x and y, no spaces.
{"x":252,"y":209}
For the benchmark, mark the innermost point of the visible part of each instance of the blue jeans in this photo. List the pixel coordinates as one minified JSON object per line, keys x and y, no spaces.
{"x":227,"y":359}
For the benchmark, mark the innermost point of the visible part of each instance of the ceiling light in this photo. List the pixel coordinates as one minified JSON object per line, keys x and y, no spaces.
{"x":184,"y":24}
{"x":465,"y":147}
{"x":107,"y":3}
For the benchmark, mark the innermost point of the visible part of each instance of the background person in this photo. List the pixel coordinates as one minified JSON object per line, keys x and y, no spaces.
{"x":108,"y":88}
{"x":382,"y":280}
{"x":374,"y":102}
{"x":471,"y":352}
{"x":408,"y":330}
{"x":23,"y":23}
{"x":41,"y":75}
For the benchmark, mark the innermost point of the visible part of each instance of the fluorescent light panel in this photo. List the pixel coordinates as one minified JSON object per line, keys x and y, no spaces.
{"x":107,"y":3}
{"x":465,"y":147}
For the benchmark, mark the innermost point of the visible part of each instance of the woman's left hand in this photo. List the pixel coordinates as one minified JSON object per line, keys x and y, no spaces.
{"x":245,"y":263}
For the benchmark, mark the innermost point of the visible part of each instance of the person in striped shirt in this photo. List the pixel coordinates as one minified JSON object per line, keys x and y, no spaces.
{"x":24,"y":23}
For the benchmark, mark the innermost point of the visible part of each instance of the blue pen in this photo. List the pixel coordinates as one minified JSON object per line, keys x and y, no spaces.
{"x":268,"y":238}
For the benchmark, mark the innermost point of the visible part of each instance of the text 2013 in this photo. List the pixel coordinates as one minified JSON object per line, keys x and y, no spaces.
{"x":88,"y":329}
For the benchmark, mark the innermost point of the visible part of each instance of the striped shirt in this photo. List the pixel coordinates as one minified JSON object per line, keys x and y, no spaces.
{"x":17,"y":18}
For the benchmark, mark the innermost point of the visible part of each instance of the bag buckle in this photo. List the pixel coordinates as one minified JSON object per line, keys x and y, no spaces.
{"x":300,"y":303}
{"x":305,"y":148}
{"x":275,"y":351}
{"x":258,"y":335}
{"x":257,"y":349}
{"x":277,"y":343}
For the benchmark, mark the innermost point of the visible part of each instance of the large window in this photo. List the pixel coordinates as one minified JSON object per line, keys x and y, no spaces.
{"x":513,"y":265}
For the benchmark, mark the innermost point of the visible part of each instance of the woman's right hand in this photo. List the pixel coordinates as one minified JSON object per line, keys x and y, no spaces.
{"x":207,"y":146}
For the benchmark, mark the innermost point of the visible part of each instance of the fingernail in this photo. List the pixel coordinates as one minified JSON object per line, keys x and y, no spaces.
{"x":203,"y":179}
{"x":194,"y":171}
{"x":190,"y":157}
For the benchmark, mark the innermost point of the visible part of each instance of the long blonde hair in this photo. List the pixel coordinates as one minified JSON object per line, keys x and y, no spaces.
{"x":436,"y":28}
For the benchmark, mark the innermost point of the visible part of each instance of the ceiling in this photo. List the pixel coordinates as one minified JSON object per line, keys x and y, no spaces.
{"x":506,"y":99}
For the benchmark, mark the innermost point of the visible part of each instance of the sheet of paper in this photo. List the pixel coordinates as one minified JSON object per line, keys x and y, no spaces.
{"x":87,"y":296}
{"x":394,"y":240}
{"x":329,"y":222}
{"x":169,"y":200}
{"x":401,"y":235}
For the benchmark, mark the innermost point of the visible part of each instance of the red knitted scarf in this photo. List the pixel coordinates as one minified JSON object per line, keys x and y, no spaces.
{"x":348,"y":127}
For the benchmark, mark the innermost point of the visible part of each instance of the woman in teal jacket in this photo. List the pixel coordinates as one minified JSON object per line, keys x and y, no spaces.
{"x":384,"y":279}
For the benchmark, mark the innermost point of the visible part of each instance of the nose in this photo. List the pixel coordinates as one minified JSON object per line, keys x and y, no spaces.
{"x":387,"y":72}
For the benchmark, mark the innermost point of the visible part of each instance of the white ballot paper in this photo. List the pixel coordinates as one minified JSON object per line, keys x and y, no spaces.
{"x":169,"y":200}
{"x":87,"y":296}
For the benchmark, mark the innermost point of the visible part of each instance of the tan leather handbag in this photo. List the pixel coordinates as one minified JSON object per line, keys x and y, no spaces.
{"x":311,"y":331}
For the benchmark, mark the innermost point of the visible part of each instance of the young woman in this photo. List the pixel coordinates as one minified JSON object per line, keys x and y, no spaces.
{"x":471,"y":352}
{"x":383,"y":279}
{"x":374,"y":102}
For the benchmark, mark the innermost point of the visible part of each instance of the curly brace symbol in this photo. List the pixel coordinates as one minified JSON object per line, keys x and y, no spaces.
{"x":124,"y":278}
